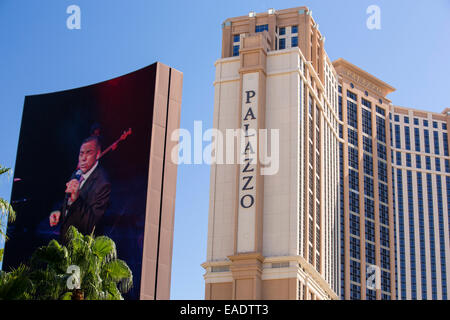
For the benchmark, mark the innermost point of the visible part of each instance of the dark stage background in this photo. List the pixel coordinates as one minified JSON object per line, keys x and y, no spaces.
{"x":53,"y":127}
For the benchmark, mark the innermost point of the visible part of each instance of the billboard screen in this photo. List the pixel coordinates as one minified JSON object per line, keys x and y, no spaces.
{"x":85,"y":159}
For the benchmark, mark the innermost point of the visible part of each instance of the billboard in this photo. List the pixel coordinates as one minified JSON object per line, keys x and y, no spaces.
{"x":98,"y":158}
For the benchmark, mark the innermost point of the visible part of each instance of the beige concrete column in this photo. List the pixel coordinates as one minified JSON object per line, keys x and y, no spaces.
{"x":246,"y":270}
{"x":227,"y":40}
{"x":362,"y":225}
{"x":321,"y":66}
{"x":391,"y":212}
{"x":314,"y":182}
{"x":304,"y":40}
{"x":251,"y":25}
{"x":313,"y":48}
{"x":346,"y":194}
{"x":272,"y":18}
{"x":376,"y":193}
{"x":246,"y":264}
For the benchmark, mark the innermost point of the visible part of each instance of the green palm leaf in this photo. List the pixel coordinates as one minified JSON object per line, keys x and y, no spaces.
{"x":111,"y":292}
{"x":7,"y":209}
{"x":74,"y":235}
{"x":15,"y":285}
{"x":4,"y":170}
{"x":53,"y":255}
{"x":66,"y":296}
{"x":119,"y":272}
{"x":104,"y":248}
{"x":102,"y":275}
{"x":49,"y":284}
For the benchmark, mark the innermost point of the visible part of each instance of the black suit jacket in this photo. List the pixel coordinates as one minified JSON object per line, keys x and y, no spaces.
{"x":90,"y":205}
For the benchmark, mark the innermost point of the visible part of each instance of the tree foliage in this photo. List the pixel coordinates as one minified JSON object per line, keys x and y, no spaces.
{"x":5,"y":209}
{"x":102,"y":275}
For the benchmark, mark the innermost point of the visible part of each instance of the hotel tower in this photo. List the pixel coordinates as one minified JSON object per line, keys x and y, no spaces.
{"x":366,"y":212}
{"x":275,"y":236}
{"x":358,"y":205}
{"x":421,"y":181}
{"x":395,"y":191}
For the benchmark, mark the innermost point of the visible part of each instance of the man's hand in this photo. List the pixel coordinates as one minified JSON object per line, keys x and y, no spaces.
{"x":54,"y":218}
{"x":73,"y":187}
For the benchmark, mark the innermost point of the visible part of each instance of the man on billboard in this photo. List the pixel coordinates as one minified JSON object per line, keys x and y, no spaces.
{"x":87,"y":193}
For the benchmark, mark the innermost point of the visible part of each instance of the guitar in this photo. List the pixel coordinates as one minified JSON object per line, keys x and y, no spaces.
{"x":113,"y":147}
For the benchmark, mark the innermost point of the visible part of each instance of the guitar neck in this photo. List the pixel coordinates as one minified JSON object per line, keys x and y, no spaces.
{"x":114,"y":145}
{"x":108,"y":149}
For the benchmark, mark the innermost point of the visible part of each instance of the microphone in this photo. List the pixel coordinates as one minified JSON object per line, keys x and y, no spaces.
{"x":20,"y":201}
{"x":78,"y":174}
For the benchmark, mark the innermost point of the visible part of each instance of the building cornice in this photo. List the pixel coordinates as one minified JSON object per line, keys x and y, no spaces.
{"x":266,"y":14}
{"x":420,"y":112}
{"x":348,"y":70}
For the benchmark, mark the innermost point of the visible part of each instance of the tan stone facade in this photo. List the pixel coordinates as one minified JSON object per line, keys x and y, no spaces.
{"x":284,"y":244}
{"x":365,"y":86}
{"x":331,"y":223}
{"x":421,"y":178}
{"x":162,"y":181}
{"x":409,"y":159}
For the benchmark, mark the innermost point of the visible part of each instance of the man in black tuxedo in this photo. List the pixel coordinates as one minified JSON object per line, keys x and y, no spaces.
{"x":88,"y":193}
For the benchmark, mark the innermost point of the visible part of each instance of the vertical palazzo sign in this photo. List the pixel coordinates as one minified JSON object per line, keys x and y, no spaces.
{"x":248,"y":164}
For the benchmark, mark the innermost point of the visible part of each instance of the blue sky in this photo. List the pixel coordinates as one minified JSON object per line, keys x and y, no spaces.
{"x":38,"y":54}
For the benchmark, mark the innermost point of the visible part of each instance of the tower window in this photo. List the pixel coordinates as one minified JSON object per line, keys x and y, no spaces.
{"x":261,"y":28}
{"x":235,"y":51}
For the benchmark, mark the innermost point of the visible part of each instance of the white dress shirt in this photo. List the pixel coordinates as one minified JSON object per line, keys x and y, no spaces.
{"x":87,"y":174}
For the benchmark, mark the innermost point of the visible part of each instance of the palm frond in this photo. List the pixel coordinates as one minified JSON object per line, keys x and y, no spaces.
{"x":5,"y":206}
{"x":102,"y":275}
{"x":49,"y":284}
{"x":53,"y":255}
{"x":73,"y":234}
{"x":118,"y":272}
{"x":16,"y":285}
{"x":66,"y":296}
{"x":111,"y":292}
{"x":7,"y":209}
{"x":105,"y":248}
{"x":4,"y":170}
{"x":2,"y":233}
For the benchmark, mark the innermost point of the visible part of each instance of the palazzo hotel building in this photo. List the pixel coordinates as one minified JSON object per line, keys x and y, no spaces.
{"x":358,"y":208}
